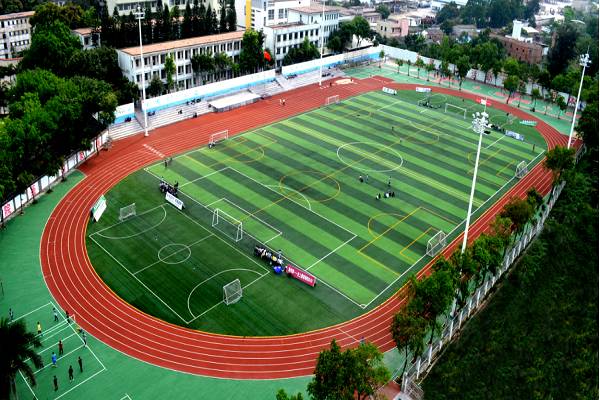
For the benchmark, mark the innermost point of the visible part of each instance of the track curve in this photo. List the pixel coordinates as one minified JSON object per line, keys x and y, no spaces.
{"x":77,"y":288}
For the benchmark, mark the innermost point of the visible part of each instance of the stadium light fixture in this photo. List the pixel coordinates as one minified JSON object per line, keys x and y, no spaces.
{"x":584,"y":61}
{"x":322,"y":43}
{"x":139,"y":14}
{"x":480,"y":121}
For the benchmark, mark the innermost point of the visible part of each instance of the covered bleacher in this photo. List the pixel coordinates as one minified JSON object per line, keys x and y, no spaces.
{"x":234,"y":101}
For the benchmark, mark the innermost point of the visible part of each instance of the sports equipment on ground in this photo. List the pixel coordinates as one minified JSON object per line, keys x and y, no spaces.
{"x":436,"y":244}
{"x":332,"y":100}
{"x":228,"y":225}
{"x":219,"y":136}
{"x":126,"y":212}
{"x":456,"y":109}
{"x":521,"y":170}
{"x":232,"y":292}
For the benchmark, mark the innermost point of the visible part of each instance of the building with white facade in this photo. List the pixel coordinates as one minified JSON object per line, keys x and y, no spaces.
{"x":313,"y":15}
{"x":272,"y":12}
{"x":15,"y":34}
{"x":281,"y":38}
{"x":182,"y":52}
{"x":88,"y":38}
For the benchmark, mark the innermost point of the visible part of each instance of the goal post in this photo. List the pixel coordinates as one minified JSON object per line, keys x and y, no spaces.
{"x":232,"y":292}
{"x":219,"y":136}
{"x":436,"y":244}
{"x":127,"y":211}
{"x":332,"y":100}
{"x":521,"y":170}
{"x":227,"y":224}
{"x":456,"y":109}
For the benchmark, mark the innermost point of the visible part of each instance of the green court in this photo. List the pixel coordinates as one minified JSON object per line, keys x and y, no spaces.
{"x":306,"y":186}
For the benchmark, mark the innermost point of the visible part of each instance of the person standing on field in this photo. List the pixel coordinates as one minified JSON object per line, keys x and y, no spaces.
{"x":71,"y":373}
{"x":80,"y":362}
{"x":55,"y":383}
{"x":60,"y":348}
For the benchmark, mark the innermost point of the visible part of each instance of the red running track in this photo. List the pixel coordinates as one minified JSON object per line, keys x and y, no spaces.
{"x":77,"y":288}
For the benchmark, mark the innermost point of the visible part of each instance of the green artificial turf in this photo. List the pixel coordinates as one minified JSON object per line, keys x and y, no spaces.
{"x":295,"y":186}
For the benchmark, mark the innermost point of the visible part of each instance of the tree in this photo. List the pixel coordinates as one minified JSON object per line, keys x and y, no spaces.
{"x":558,"y":160}
{"x":156,"y":87}
{"x":202,"y":63}
{"x":408,"y":64}
{"x":519,"y":211}
{"x":511,"y":84}
{"x":186,"y":27}
{"x":361,"y":28}
{"x":408,"y":331}
{"x":419,"y":64}
{"x":252,"y":54}
{"x":445,"y":71}
{"x":47,"y":13}
{"x":563,"y":50}
{"x":448,"y":12}
{"x":462,"y":66}
{"x":415,"y":42}
{"x":535,"y":95}
{"x":383,"y":10}
{"x":169,"y":71}
{"x":18,"y":346}
{"x":282,"y":395}
{"x":399,"y":63}
{"x":587,"y":127}
{"x":562,"y":105}
{"x":52,"y":46}
{"x":231,"y":17}
{"x":222,"y":16}
{"x":430,"y":67}
{"x":221,"y":62}
{"x":305,"y":52}
{"x":368,"y":370}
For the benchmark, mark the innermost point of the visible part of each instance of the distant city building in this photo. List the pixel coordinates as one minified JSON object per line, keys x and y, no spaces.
{"x":462,"y":30}
{"x":182,"y":52}
{"x":88,"y":38}
{"x":435,"y":34}
{"x":437,"y":5}
{"x":15,"y":34}
{"x":398,"y":25}
{"x":528,"y":52}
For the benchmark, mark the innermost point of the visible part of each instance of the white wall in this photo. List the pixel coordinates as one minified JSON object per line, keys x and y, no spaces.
{"x":351,"y":56}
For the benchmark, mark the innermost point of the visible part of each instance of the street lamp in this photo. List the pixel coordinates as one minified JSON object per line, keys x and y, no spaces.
{"x":322,"y":43}
{"x":480,"y":121}
{"x":584,"y":61}
{"x":139,"y":14}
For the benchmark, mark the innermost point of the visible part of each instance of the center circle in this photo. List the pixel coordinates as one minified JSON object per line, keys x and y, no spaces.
{"x":370,"y":157}
{"x":174,"y":253}
{"x":315,"y":185}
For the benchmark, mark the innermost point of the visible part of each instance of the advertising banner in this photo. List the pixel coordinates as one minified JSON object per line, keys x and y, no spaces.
{"x":422,"y":89}
{"x":99,"y":208}
{"x":301,"y":275}
{"x":174,"y":200}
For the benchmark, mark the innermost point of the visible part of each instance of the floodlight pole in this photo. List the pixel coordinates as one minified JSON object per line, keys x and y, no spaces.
{"x":479,"y":124}
{"x":322,"y":43}
{"x":140,"y":15}
{"x":584,"y":60}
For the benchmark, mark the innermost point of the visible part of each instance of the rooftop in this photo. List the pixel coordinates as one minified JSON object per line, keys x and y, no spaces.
{"x":16,"y":15}
{"x":286,"y":26}
{"x":190,"y":42}
{"x":83,"y":31}
{"x":313,"y":9}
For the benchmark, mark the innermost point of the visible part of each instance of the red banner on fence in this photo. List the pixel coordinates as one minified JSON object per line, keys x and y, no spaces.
{"x":301,"y":275}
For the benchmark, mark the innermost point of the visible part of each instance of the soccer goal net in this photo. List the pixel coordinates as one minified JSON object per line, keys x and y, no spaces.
{"x":436,"y":244}
{"x":232,"y":292}
{"x":456,"y":110}
{"x":332,"y":100}
{"x":521,"y":170}
{"x":219,"y":136}
{"x":126,"y":212}
{"x":228,"y":225}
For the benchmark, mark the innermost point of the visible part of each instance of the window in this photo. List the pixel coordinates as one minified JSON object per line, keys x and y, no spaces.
{"x":278,"y":50}
{"x":285,"y":36}
{"x":264,"y":6}
{"x":271,"y":15}
{"x":295,"y":35}
{"x":281,"y":13}
{"x":279,"y":37}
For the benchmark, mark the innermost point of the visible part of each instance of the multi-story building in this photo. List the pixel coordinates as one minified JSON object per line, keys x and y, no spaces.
{"x":88,"y":38}
{"x":15,"y":34}
{"x":126,"y":6}
{"x":522,"y":48}
{"x":314,"y":15}
{"x":397,"y":25}
{"x":182,"y":52}
{"x":281,"y":38}
{"x":272,"y":12}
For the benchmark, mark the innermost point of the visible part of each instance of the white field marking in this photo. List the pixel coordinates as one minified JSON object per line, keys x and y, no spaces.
{"x":50,"y":364}
{"x":126,"y":397}
{"x":491,"y":144}
{"x":317,"y":214}
{"x":224,"y":241}
{"x":256,"y":218}
{"x":153,"y":150}
{"x":202,"y":177}
{"x":120,"y":222}
{"x":450,"y":233}
{"x":375,"y":158}
{"x":31,"y":312}
{"x":211,"y":277}
{"x":136,"y":278}
{"x":221,"y":302}
{"x":424,"y":110}
{"x":188,"y":246}
{"x":27,"y":383}
{"x":331,"y":252}
{"x":349,"y":335}
{"x":80,"y":383}
{"x":51,"y":336}
{"x":53,"y":328}
{"x":291,"y":190}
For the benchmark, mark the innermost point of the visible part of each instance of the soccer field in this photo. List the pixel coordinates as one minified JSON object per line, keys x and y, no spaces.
{"x":294,"y":186}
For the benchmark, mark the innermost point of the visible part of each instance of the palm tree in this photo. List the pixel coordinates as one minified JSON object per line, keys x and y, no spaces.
{"x":419,"y":64}
{"x":535,"y":95}
{"x":399,"y":62}
{"x":17,"y":347}
{"x":408,"y":67}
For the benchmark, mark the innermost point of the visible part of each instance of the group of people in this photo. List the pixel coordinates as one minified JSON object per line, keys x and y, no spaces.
{"x":274,"y":259}
{"x":166,"y":187}
{"x":387,"y":194}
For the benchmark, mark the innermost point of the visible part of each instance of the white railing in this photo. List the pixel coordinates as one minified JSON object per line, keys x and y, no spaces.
{"x":10,"y":207}
{"x":457,"y":318}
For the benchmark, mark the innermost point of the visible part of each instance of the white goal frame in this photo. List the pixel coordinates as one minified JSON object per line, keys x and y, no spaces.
{"x":521,"y":170}
{"x":232,"y":292}
{"x":127,"y":211}
{"x":464,"y":110}
{"x":436,"y":244}
{"x":219,"y":216}
{"x":332,"y":100}
{"x":219,"y":136}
